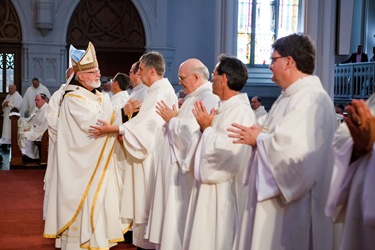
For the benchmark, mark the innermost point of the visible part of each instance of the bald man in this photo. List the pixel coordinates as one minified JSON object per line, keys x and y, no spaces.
{"x":175,"y":179}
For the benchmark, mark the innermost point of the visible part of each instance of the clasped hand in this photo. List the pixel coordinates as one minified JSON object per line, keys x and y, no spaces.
{"x":165,"y":112}
{"x":361,"y":124}
{"x":132,"y":106}
{"x":203,"y":118}
{"x":244,"y":135}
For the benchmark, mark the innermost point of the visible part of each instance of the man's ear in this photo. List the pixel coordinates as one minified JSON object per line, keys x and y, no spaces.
{"x":80,"y":77}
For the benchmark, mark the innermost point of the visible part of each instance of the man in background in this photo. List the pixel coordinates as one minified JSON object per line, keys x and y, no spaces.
{"x":358,"y":56}
{"x":139,"y":90}
{"x":106,"y":88}
{"x":256,"y":105}
{"x":28,"y":104}
{"x":31,"y":129}
{"x":12,"y":100}
{"x":120,"y":83}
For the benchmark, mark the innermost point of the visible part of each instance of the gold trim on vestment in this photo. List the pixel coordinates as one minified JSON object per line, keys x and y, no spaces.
{"x":88,"y":185}
{"x":100,"y":185}
{"x":128,"y":228}
{"x":86,"y":191}
{"x":102,"y":177}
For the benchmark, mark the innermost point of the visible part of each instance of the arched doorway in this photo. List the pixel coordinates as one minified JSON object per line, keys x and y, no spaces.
{"x":10,"y":50}
{"x":116,"y":30}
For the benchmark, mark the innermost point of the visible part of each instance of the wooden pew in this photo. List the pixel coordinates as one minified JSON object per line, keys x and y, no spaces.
{"x":17,"y":161}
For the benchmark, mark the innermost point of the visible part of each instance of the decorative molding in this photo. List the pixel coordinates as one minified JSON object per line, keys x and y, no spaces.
{"x":44,"y":16}
{"x":110,"y":23}
{"x":37,"y":64}
{"x":10,"y":28}
{"x":51,"y":69}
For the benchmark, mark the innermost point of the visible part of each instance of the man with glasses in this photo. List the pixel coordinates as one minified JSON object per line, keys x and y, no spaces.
{"x":288,"y":177}
{"x":212,"y":217}
{"x":138,"y":92}
{"x":175,"y":179}
{"x":83,"y":206}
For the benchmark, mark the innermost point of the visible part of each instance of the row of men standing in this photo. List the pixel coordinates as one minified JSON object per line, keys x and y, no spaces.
{"x":206,"y":176}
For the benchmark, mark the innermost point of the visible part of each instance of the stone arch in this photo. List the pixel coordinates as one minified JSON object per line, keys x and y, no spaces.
{"x":114,"y":27}
{"x":10,"y":49}
{"x":10,"y":46}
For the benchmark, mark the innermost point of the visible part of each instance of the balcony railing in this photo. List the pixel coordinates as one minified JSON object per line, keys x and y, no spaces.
{"x":354,"y":81}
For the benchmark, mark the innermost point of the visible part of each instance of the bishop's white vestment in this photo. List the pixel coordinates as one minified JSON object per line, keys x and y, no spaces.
{"x":288,"y":179}
{"x":86,"y":210}
{"x":352,"y":195}
{"x":212,"y":219}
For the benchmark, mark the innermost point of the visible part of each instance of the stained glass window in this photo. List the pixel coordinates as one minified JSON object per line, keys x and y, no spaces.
{"x":260,"y":23}
{"x":7,"y":70}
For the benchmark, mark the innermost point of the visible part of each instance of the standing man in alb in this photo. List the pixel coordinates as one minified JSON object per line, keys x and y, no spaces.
{"x":256,"y":105}
{"x":142,"y":136}
{"x":12,"y":100}
{"x":175,"y":176}
{"x":351,"y":200}
{"x":28,"y":103}
{"x":288,"y":177}
{"x":212,"y":218}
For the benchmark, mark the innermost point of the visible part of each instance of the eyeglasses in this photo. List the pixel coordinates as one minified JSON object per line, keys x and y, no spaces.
{"x":214,"y":74}
{"x":95,"y":72}
{"x":181,"y":79}
{"x":273,"y":59}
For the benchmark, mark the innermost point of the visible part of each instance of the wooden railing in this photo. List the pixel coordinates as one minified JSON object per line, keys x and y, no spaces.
{"x":354,"y":81}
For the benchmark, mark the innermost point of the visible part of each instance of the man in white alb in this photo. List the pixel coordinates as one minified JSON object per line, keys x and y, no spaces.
{"x":288,"y":177}
{"x":142,"y":138}
{"x":212,"y":218}
{"x":28,"y":103}
{"x":351,"y":198}
{"x":12,"y":100}
{"x":175,"y":176}
{"x":31,"y":129}
{"x":256,"y":105}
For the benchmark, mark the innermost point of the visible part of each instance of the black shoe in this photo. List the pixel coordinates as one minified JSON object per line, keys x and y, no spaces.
{"x":128,"y":236}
